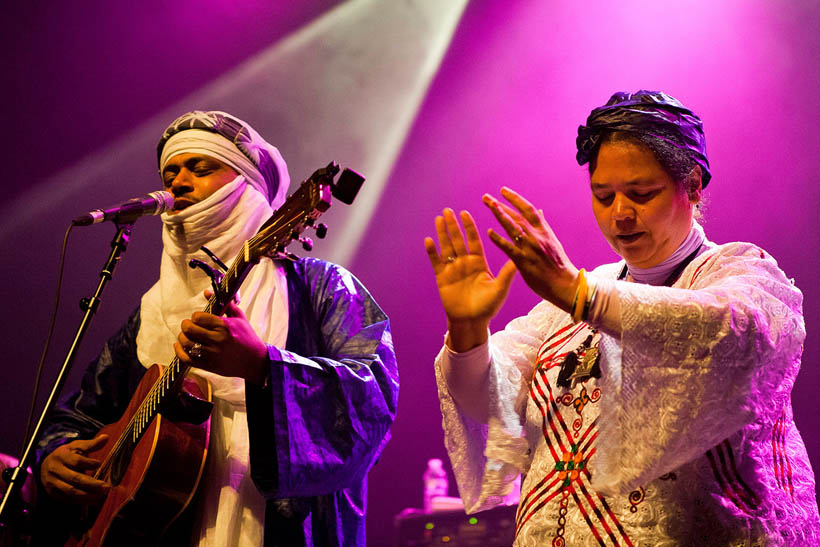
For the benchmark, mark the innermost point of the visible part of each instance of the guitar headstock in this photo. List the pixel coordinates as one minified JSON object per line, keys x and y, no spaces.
{"x":301,"y":210}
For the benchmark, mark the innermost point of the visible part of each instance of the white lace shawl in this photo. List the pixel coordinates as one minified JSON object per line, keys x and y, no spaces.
{"x":693,"y":367}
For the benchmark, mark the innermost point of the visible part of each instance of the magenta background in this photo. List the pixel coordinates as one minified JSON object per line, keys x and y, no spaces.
{"x":518,"y":79}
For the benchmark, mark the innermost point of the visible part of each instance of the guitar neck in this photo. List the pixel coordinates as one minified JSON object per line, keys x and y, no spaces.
{"x":169,"y":383}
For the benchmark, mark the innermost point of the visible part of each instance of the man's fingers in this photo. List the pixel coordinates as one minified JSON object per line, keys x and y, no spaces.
{"x":78,"y":487}
{"x":233,"y":310}
{"x":207,"y":320}
{"x":74,"y":455}
{"x":89,"y":445}
{"x":214,"y":333}
{"x":81,"y":481}
{"x":63,"y":471}
{"x":182,"y":355}
{"x":82,"y":462}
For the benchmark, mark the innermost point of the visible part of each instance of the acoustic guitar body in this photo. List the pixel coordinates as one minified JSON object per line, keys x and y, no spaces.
{"x":154,"y":481}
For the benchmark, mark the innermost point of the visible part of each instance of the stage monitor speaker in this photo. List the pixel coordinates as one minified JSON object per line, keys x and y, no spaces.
{"x":493,"y":528}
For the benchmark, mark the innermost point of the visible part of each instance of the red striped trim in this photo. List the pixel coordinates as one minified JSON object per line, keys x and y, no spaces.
{"x":544,"y":491}
{"x":540,"y":494}
{"x":542,"y":358}
{"x":697,"y":271}
{"x":738,"y":477}
{"x":789,"y":468}
{"x":597,"y":512}
{"x":543,"y":421}
{"x":553,"y":361}
{"x":589,"y":428}
{"x":547,"y":417}
{"x":535,"y":493}
{"x":552,"y":337}
{"x":779,"y":474}
{"x":614,"y":520}
{"x":725,"y":486}
{"x":551,"y":407}
{"x":555,"y":407}
{"x":591,"y":440}
{"x":733,"y":477}
{"x":779,"y":449}
{"x":586,"y":518}
{"x":786,"y":456}
{"x":536,"y":509}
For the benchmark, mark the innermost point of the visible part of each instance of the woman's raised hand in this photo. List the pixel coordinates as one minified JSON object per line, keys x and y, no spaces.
{"x":534,"y":248}
{"x":470,"y":293}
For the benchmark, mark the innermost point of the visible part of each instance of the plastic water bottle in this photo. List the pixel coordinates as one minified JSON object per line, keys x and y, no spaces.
{"x":435,"y":483}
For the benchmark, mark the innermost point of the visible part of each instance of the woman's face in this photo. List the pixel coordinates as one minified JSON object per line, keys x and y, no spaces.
{"x":641,"y":211}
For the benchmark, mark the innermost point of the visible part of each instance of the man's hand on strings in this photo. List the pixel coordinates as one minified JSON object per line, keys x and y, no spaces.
{"x":64,"y":472}
{"x":470,"y":293}
{"x":534,"y":248}
{"x":227,"y":345}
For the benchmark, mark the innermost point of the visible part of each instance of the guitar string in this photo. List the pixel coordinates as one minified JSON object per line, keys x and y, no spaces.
{"x":146,"y":411}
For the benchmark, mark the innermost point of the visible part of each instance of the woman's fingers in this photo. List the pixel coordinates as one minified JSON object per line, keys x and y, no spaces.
{"x":516,"y":228}
{"x":444,"y":242}
{"x":471,"y":231}
{"x":510,"y":249}
{"x":432,"y":253}
{"x":527,"y":209}
{"x":453,"y":242}
{"x":506,"y":275}
{"x":454,"y":231}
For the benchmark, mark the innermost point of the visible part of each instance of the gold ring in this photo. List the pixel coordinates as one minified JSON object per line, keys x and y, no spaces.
{"x":195,"y":351}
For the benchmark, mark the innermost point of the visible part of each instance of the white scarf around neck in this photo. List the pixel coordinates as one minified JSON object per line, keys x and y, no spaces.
{"x":656,"y":275}
{"x":222,"y":222}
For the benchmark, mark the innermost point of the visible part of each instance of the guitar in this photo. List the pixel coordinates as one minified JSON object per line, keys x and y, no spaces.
{"x":156,"y":453}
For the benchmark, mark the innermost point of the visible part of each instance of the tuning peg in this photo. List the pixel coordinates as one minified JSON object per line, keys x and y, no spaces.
{"x":321,"y":230}
{"x":307,"y":243}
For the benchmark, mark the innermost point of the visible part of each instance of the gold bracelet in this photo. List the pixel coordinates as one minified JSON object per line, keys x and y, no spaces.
{"x":592,"y":289}
{"x":580,"y":296}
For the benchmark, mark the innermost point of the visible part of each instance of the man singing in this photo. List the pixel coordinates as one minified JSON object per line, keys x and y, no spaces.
{"x":303,"y":370}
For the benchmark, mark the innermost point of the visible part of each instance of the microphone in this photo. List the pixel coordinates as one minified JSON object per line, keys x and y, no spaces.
{"x":154,"y":203}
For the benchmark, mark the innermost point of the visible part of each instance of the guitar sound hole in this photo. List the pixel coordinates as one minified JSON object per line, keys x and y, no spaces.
{"x":119,"y":466}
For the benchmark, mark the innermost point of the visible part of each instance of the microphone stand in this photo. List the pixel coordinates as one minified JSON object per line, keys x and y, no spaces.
{"x":15,"y":477}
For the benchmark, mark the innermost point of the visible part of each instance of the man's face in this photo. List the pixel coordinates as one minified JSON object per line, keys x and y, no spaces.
{"x":641,"y":211}
{"x":193,"y":177}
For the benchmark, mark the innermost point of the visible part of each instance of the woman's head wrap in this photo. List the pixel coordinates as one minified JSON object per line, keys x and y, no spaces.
{"x":650,"y":113}
{"x":232,"y":141}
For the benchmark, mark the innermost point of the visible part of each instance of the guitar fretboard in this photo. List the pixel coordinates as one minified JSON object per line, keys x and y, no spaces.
{"x":310,"y":200}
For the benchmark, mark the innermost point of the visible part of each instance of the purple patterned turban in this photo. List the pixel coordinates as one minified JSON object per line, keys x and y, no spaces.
{"x":231,"y":141}
{"x":650,"y":113}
